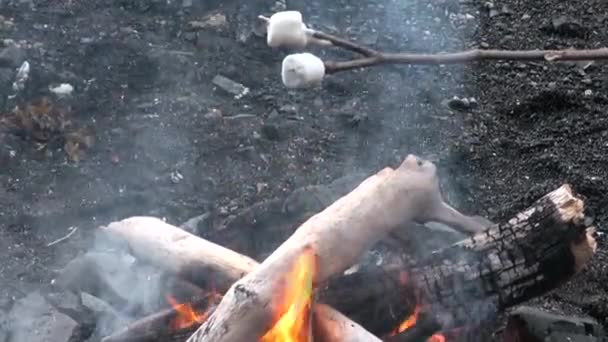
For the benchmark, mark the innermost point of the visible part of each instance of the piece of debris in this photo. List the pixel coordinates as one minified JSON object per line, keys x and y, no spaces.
{"x":214,"y":21}
{"x":194,"y":224}
{"x":71,"y":230}
{"x":23,"y":74}
{"x":270,"y":132}
{"x":176,"y":177}
{"x":457,"y":103}
{"x":77,"y":143}
{"x":531,"y":324}
{"x":62,"y":90}
{"x":230,"y":86}
{"x":12,"y":56}
{"x":33,"y":319}
{"x":568,"y":27}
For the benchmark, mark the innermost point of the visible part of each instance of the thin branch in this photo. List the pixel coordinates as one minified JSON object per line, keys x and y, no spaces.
{"x":72,"y":231}
{"x":345,"y":44}
{"x":467,"y":56}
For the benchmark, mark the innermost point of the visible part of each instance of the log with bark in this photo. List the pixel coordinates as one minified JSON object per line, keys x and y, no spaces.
{"x":480,"y":266}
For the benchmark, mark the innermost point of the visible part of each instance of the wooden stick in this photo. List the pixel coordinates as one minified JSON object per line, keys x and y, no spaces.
{"x":468,"y":56}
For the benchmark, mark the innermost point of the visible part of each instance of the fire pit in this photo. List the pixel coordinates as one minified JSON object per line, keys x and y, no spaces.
{"x":390,"y":292}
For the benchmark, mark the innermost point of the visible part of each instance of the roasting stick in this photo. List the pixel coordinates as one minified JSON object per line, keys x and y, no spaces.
{"x":371,"y":57}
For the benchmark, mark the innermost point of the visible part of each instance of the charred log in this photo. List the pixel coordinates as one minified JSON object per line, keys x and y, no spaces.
{"x":473,"y":280}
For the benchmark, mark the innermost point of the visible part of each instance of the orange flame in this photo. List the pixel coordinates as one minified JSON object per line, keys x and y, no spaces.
{"x":409,"y":322}
{"x":187,"y":315}
{"x":293,"y":321}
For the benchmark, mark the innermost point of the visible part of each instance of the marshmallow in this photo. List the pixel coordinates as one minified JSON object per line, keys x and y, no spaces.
{"x":286,"y":29}
{"x":302,"y":70}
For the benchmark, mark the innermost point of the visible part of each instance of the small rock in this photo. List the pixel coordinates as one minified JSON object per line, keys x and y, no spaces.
{"x":484,"y":45}
{"x":270,"y":132}
{"x":213,"y":114}
{"x":587,"y":81}
{"x":588,"y":92}
{"x":197,"y":224}
{"x":176,"y":177}
{"x":568,"y":27}
{"x":62,"y":90}
{"x":33,"y":319}
{"x":66,"y":301}
{"x":292,"y":109}
{"x":12,"y":56}
{"x":23,"y":74}
{"x":230,"y":86}
{"x":457,"y":103}
{"x":216,"y":20}
{"x":525,"y":16}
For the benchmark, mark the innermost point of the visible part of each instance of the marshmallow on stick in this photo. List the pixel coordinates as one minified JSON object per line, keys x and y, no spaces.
{"x":286,"y":29}
{"x":302,"y":70}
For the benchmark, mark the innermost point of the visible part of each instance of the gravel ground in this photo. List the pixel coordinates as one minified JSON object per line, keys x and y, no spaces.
{"x":147,"y":131}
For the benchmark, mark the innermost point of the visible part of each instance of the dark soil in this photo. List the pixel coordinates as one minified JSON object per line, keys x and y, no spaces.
{"x":169,"y":143}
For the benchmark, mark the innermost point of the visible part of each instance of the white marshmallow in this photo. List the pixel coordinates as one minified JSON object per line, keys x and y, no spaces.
{"x":302,"y":70}
{"x":286,"y":29}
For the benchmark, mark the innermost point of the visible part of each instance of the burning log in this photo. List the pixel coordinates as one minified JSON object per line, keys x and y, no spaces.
{"x":172,"y":324}
{"x":145,"y":236}
{"x":533,"y":253}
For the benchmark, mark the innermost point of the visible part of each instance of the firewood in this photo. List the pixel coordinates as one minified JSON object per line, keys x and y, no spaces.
{"x":176,"y":250}
{"x":553,"y":236}
{"x":145,"y":236}
{"x":339,"y":235}
{"x":456,"y":280}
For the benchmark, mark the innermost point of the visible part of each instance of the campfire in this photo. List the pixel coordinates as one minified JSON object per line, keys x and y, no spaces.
{"x":324,"y":283}
{"x":319,"y":286}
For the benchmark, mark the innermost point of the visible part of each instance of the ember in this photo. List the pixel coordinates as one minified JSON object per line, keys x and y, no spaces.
{"x":437,"y":338}
{"x":295,"y":303}
{"x":409,"y":322}
{"x":188,"y":316}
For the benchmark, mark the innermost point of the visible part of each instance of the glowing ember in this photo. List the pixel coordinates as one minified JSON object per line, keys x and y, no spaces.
{"x":409,"y":322}
{"x":293,"y":319}
{"x":187,"y":315}
{"x":437,"y":338}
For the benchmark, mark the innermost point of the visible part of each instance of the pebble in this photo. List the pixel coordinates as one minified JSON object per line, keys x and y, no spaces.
{"x":270,"y":132}
{"x":12,"y":56}
{"x":588,"y":92}
{"x":64,"y":89}
{"x":230,"y":86}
